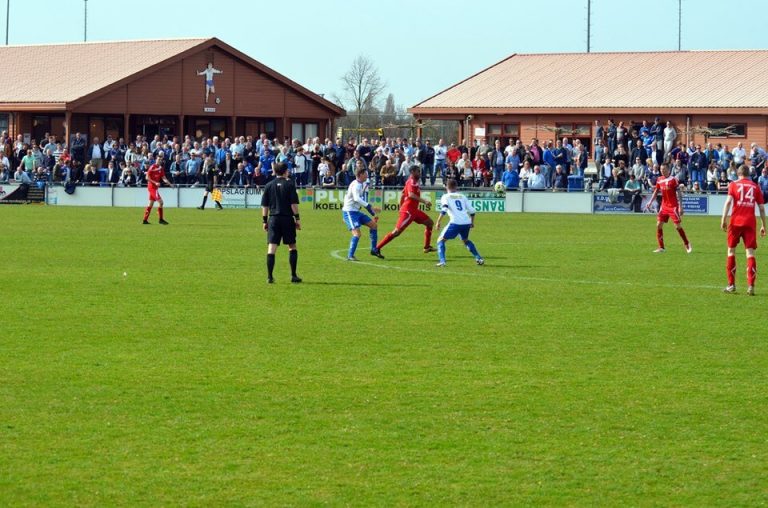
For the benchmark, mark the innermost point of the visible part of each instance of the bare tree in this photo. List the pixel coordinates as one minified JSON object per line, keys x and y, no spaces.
{"x":362,"y":86}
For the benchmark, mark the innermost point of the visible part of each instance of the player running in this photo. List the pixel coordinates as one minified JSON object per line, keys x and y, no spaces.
{"x":155,"y":175}
{"x":355,"y":200}
{"x":671,"y":206}
{"x":462,"y":219}
{"x":409,"y":212}
{"x":743,"y":195}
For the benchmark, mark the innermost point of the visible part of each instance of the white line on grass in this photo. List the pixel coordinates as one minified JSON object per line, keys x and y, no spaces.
{"x":336,"y":254}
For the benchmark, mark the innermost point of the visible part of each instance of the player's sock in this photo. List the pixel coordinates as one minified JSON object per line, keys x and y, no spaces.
{"x":146,"y":212}
{"x":353,"y":246}
{"x":660,"y":238}
{"x":472,"y":249}
{"x":205,"y":198}
{"x":730,"y":268}
{"x":427,"y":237}
{"x":218,"y":204}
{"x":751,"y":270}
{"x":441,"y":251}
{"x":681,"y":232}
{"x":387,"y":238}
{"x":293,"y":259}
{"x":374,"y":238}
{"x":160,"y":212}
{"x":270,"y":264}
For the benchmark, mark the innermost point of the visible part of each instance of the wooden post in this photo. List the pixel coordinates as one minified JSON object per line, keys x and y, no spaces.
{"x":182,"y":128}
{"x":234,"y":128}
{"x":127,"y":128}
{"x":67,"y":126}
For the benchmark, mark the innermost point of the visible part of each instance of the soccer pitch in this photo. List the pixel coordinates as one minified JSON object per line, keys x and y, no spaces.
{"x":575,"y":367}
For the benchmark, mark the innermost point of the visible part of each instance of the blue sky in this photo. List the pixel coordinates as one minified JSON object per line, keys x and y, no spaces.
{"x":420,"y":47}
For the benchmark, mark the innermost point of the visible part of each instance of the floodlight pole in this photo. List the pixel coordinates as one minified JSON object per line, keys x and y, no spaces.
{"x":7,"y":19}
{"x":679,"y":24}
{"x":589,"y":23}
{"x":85,"y":21}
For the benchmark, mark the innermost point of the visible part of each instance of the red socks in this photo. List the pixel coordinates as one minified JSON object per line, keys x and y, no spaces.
{"x":660,"y":238}
{"x":387,"y":238}
{"x":146,"y":212}
{"x":751,"y":271}
{"x":160,"y":212}
{"x":681,"y":232}
{"x":427,"y":237}
{"x":730,"y":268}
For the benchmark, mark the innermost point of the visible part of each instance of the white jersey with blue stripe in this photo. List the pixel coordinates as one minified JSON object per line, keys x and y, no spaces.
{"x":356,"y":197}
{"x":457,"y":207}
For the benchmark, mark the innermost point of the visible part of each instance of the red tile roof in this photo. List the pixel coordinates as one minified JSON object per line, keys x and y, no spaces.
{"x":59,"y":74}
{"x":66,"y":72}
{"x":651,"y":80}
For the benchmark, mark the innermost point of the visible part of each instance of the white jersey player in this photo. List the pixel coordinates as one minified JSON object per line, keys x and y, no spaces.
{"x":355,"y":200}
{"x":462,"y":219}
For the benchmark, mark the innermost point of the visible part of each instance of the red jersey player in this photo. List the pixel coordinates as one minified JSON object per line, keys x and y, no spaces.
{"x":743,"y":195}
{"x":155,"y":175}
{"x":671,"y":207}
{"x":409,"y":212}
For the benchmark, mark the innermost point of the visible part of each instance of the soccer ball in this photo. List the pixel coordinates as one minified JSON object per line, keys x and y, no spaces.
{"x":500,"y":187}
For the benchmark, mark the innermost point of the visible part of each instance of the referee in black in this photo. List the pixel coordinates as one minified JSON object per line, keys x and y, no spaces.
{"x":280,"y":213}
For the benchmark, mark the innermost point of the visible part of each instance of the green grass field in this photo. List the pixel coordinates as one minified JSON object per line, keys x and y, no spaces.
{"x":575,"y":368}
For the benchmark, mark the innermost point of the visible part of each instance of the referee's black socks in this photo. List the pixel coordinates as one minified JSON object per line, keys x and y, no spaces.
{"x":270,"y":264}
{"x":293,"y":258}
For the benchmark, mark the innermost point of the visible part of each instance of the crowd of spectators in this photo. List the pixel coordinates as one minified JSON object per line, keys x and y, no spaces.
{"x":627,"y":159}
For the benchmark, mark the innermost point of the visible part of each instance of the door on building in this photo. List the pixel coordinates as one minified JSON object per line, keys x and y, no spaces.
{"x":207,"y":127}
{"x":151,"y":125}
{"x":43,"y":125}
{"x":257,"y":126}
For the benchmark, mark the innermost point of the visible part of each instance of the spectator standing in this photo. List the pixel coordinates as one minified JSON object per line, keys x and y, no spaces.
{"x":670,"y":135}
{"x":441,"y":152}
{"x":78,"y":148}
{"x":612,"y":133}
{"x":739,"y":154}
{"x":497,"y":161}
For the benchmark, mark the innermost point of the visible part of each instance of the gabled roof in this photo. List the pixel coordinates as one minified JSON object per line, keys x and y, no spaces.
{"x":60,"y":74}
{"x":649,"y":80}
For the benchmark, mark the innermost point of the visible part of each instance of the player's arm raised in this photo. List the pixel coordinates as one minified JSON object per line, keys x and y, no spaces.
{"x":726,"y":209}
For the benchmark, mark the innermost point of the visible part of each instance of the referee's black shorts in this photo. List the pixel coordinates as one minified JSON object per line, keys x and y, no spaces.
{"x":281,"y":228}
{"x":209,"y":184}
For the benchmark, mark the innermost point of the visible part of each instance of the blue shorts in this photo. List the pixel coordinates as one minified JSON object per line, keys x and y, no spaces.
{"x":354,"y":220}
{"x":451,"y":231}
{"x":209,"y":82}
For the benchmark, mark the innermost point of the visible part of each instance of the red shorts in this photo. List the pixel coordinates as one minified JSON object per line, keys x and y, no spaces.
{"x":747,"y":233}
{"x":407,"y":217}
{"x":154,"y":194}
{"x":666,"y":213}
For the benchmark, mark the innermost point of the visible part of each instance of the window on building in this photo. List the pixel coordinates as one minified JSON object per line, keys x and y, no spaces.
{"x":302,"y":131}
{"x":738,"y":130}
{"x":3,"y":122}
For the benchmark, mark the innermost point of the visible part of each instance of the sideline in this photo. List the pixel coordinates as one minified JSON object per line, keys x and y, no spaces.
{"x":338,"y":254}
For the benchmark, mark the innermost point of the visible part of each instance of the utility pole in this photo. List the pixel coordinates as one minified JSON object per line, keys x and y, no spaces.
{"x":85,"y":21}
{"x":679,"y":24}
{"x":589,"y":24}
{"x":7,"y":19}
